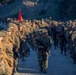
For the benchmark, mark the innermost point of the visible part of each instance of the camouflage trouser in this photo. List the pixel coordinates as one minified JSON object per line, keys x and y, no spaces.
{"x":70,"y":47}
{"x":22,"y":55}
{"x":63,"y":48}
{"x":46,"y":64}
{"x":43,"y":63}
{"x":74,"y":58}
{"x":4,"y":73}
{"x":74,"y":54}
{"x":35,"y":47}
{"x":55,"y":43}
{"x":15,"y":64}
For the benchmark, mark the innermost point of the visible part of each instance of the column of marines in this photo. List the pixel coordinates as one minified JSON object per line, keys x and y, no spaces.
{"x":40,"y":35}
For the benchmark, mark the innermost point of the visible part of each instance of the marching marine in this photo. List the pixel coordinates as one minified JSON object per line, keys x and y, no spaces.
{"x":44,"y":43}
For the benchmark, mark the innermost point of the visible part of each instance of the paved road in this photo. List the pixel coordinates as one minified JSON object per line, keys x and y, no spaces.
{"x":58,"y":64}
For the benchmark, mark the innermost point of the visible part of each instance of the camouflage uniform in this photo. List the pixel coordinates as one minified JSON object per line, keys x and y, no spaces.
{"x":2,"y":64}
{"x":7,"y":55}
{"x":54,"y":34}
{"x":63,"y":42}
{"x":74,"y":46}
{"x":27,"y":33}
{"x":16,"y":43}
{"x":70,"y":41}
{"x":44,"y":44}
{"x":22,"y":41}
{"x":35,"y":37}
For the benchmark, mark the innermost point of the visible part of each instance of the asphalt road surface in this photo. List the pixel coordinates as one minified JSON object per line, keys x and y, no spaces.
{"x":58,"y":64}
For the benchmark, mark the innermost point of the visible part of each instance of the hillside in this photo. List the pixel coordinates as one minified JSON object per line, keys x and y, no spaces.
{"x":37,"y":9}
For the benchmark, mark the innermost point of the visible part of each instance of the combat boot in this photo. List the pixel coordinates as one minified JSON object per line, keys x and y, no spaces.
{"x":74,"y":61}
{"x":41,"y":69}
{"x":15,"y":71}
{"x":45,"y":70}
{"x":61,"y":52}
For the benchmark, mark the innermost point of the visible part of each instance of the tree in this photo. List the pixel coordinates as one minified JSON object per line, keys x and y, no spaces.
{"x":67,"y":9}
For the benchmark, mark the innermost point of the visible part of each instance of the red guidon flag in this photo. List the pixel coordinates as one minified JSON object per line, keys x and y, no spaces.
{"x":20,"y":16}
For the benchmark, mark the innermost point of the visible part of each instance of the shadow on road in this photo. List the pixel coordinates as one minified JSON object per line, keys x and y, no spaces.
{"x":27,"y":70}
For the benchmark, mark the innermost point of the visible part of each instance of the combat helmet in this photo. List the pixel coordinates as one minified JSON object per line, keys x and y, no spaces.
{"x":13,"y":26}
{"x":2,"y":33}
{"x":44,"y":31}
{"x":9,"y":29}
